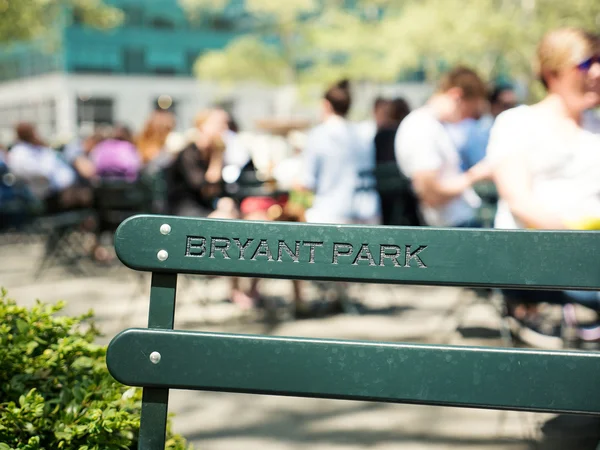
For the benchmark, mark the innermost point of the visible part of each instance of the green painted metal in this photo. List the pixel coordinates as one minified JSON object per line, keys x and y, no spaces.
{"x":460,"y":257}
{"x":162,"y":301}
{"x":153,"y":426}
{"x":443,"y":375}
{"x":159,"y":358}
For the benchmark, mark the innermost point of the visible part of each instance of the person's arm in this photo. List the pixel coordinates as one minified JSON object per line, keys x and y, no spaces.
{"x":214,"y":175}
{"x":513,"y":182}
{"x":482,"y":171}
{"x":419,"y":158}
{"x":433,"y":191}
{"x":84,"y":167}
{"x":215,"y":167}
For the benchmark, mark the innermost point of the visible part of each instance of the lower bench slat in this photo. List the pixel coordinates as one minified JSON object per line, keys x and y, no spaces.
{"x":515,"y":379}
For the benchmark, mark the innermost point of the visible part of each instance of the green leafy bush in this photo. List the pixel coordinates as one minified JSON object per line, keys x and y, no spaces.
{"x":55,"y":390}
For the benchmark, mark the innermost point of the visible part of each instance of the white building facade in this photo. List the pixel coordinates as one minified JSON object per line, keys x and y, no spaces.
{"x":63,"y":105}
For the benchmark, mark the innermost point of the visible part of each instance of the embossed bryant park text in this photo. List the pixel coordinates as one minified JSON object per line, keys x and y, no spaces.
{"x":311,"y":252}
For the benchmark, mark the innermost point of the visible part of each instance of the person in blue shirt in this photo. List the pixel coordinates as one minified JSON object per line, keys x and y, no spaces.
{"x":473,"y":149}
{"x":332,"y":161}
{"x":51,"y":179}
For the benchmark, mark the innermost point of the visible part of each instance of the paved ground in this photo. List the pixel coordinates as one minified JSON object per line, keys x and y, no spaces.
{"x":214,"y":421}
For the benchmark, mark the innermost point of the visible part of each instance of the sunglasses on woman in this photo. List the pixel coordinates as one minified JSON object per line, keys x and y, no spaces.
{"x":588,"y":63}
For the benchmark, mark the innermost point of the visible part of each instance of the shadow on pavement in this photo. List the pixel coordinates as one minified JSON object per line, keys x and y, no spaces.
{"x":479,"y":333}
{"x":303,"y":427}
{"x":570,"y":432}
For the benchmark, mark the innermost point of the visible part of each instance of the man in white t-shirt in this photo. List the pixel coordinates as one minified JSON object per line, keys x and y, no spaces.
{"x":427,"y":154}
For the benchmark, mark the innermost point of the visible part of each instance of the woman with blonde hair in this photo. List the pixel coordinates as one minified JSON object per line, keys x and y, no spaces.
{"x":546,"y":164}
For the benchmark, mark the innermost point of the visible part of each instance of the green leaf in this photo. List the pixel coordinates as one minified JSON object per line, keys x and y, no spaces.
{"x":109,"y":413}
{"x":63,"y":435}
{"x":31,"y":346}
{"x":78,"y":394}
{"x":83,"y":362}
{"x":22,"y":326}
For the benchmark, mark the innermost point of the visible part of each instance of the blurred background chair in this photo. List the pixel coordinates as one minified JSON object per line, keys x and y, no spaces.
{"x":116,"y":200}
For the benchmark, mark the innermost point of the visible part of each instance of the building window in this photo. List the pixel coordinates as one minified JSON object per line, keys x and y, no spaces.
{"x":192,"y":57}
{"x":134,"y":60}
{"x":87,"y":69}
{"x":96,"y":110}
{"x":162,"y":23}
{"x":28,"y":112}
{"x":165,"y":71}
{"x":220,"y":23}
{"x":134,"y":16}
{"x":42,"y":113}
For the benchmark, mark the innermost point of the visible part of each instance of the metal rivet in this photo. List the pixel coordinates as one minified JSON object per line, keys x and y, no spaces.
{"x":162,"y":255}
{"x":154,"y":357}
{"x":165,"y":228}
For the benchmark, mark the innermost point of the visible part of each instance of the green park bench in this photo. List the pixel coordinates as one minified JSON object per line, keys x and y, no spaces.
{"x":159,"y":358}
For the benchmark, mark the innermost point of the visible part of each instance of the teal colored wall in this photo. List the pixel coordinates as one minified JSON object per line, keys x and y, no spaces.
{"x":138,"y":51}
{"x":157,"y":37}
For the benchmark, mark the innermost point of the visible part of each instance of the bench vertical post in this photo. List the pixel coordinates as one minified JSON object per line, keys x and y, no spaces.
{"x":153,"y":426}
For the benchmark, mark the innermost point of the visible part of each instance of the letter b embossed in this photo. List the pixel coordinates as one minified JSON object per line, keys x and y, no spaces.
{"x":195,"y":247}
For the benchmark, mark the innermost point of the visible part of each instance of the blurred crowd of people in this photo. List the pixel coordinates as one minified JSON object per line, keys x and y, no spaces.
{"x":544,"y":160}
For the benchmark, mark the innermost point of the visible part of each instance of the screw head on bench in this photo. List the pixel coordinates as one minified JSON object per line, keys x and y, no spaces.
{"x":165,"y":228}
{"x":162,"y":255}
{"x":155,"y":357}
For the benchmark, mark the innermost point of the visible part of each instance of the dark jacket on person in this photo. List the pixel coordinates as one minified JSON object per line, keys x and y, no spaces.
{"x":185,"y":179}
{"x":399,"y":204}
{"x":384,"y":145}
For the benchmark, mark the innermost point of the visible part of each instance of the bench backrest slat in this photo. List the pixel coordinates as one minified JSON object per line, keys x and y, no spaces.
{"x":445,"y":375}
{"x":453,"y":257}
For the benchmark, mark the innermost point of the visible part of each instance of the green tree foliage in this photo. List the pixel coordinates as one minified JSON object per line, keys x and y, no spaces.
{"x":271,"y":53}
{"x":55,"y":389}
{"x":491,"y":35}
{"x":22,"y":20}
{"x":378,"y":40}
